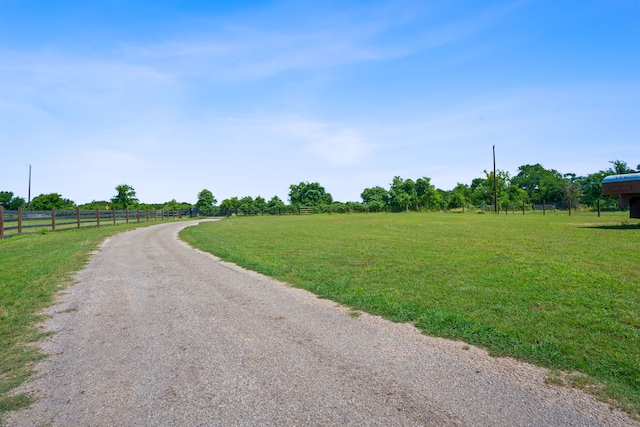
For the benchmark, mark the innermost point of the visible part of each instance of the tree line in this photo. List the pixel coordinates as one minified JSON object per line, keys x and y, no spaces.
{"x":533,"y":184}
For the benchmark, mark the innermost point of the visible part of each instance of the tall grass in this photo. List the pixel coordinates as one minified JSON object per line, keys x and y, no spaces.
{"x":562,"y":292}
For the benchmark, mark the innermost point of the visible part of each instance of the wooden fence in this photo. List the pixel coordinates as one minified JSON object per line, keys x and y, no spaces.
{"x":16,"y":223}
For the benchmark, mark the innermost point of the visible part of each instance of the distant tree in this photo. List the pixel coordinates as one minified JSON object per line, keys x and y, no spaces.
{"x":275,"y":206}
{"x":125,"y":197}
{"x":399,"y":200}
{"x":246,"y":205}
{"x":591,"y":185}
{"x":375,"y":198}
{"x":9,"y":202}
{"x":619,"y":168}
{"x":309,"y":194}
{"x":95,"y":204}
{"x":426,"y":193}
{"x":261,"y":204}
{"x":172,"y":205}
{"x":571,"y":189}
{"x":459,"y":196}
{"x":206,"y":203}
{"x":229,"y":206}
{"x":540,"y":183}
{"x":45,"y":202}
{"x":409,"y":187}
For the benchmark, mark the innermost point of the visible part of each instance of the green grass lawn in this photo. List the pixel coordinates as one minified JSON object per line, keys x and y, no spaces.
{"x":558,"y":291}
{"x":32,"y":269}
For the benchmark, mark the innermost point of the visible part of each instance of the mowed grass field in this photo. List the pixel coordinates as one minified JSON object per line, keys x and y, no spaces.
{"x":558,"y":291}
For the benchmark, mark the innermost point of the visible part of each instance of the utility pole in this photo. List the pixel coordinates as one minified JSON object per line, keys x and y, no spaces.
{"x":495,"y":187}
{"x":29,"y":191}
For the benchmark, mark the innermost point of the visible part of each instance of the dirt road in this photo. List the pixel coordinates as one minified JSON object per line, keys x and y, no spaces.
{"x":158,"y":334}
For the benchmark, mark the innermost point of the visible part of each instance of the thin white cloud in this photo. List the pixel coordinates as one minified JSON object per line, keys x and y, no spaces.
{"x":344,"y":147}
{"x":333,"y":145}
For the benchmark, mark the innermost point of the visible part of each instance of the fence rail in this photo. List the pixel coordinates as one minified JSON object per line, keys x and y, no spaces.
{"x":18,"y":222}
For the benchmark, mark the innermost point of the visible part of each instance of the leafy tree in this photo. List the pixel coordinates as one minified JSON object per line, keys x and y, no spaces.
{"x":591,"y":185}
{"x":399,"y":198}
{"x":309,"y":194}
{"x":45,"y":202}
{"x":571,"y":190}
{"x":261,"y":204}
{"x":95,"y":204}
{"x":426,"y":193}
{"x":229,"y":206}
{"x":619,"y":168}
{"x":206,"y":203}
{"x":540,"y":183}
{"x":247,"y":206}
{"x":171,"y":205}
{"x":125,"y":198}
{"x":516,"y":197}
{"x":275,"y":205}
{"x":459,"y":196}
{"x":375,"y":198}
{"x":9,"y":202}
{"x":409,"y":187}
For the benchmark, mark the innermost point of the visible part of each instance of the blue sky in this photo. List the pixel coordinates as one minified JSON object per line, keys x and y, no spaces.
{"x":248,"y":97}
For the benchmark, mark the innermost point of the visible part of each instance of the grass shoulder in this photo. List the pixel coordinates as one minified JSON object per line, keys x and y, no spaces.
{"x":557,"y":291}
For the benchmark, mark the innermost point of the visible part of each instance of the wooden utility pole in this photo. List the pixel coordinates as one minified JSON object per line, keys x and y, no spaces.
{"x":29,"y":191}
{"x":495,"y":186}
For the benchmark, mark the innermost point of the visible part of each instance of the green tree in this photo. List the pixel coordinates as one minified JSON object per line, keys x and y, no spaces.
{"x":246,"y":205}
{"x":591,"y":185}
{"x":399,"y":198}
{"x":8,"y":201}
{"x":375,"y":198}
{"x":45,"y":202}
{"x":125,"y":197}
{"x":229,"y":206}
{"x":540,"y":183}
{"x":309,"y":194}
{"x":571,"y":190}
{"x":95,"y":204}
{"x":619,"y":168}
{"x":426,"y":193}
{"x":459,"y":196}
{"x":206,"y":203}
{"x":275,"y":206}
{"x":261,"y":204}
{"x":171,"y":205}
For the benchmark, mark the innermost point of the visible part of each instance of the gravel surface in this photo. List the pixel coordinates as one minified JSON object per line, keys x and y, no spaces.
{"x":156,"y":333}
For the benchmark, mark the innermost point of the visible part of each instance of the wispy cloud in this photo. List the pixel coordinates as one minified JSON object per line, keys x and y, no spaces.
{"x":334,"y":145}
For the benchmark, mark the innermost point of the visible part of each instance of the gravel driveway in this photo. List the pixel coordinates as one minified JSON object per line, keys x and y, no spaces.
{"x":156,"y":333}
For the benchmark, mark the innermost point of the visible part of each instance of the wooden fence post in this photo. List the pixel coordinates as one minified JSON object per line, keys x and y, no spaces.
{"x":113,"y":214}
{"x":78,"y":217}
{"x":97,"y":218}
{"x":138,"y":215}
{"x":1,"y":222}
{"x":53,"y":220}
{"x":126,"y":215}
{"x":523,"y":207}
{"x":155,"y":215}
{"x":19,"y":221}
{"x":544,"y":208}
{"x":147,"y":214}
{"x":598,"y":207}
